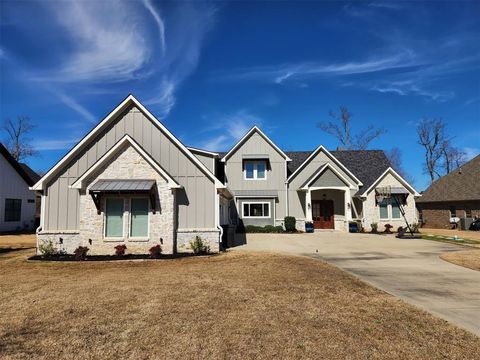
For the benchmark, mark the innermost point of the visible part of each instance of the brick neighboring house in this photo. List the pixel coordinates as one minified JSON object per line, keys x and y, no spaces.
{"x":456,"y":194}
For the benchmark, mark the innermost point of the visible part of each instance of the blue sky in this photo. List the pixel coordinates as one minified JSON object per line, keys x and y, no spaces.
{"x":210,"y":71}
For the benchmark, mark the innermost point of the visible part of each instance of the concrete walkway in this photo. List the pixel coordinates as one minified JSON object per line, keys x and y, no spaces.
{"x":408,"y":269}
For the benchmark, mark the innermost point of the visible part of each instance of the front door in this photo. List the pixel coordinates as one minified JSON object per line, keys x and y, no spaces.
{"x":322,"y":214}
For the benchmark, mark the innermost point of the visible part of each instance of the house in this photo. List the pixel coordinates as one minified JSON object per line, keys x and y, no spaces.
{"x":456,"y":194}
{"x":17,"y":202}
{"x":327,"y":188}
{"x":131,"y":181}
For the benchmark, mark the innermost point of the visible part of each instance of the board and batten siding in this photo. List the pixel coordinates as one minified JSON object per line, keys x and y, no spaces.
{"x":13,"y":186}
{"x":296,"y":199}
{"x":206,"y":160}
{"x":256,"y":144}
{"x":198,"y":194}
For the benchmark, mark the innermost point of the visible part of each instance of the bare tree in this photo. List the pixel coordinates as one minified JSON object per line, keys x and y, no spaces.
{"x":453,"y":157}
{"x":431,"y":135}
{"x":17,"y":141}
{"x":341,"y":129}
{"x":395,"y":158}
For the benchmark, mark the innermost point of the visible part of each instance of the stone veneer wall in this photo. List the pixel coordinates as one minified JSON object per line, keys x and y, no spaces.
{"x":184,"y":237}
{"x":371,"y":211}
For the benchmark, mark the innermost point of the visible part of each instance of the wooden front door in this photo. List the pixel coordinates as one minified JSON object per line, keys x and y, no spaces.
{"x":322,"y":214}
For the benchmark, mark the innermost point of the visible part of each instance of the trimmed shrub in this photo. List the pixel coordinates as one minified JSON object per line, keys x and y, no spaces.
{"x":264,"y":229}
{"x":120,"y":249}
{"x":199,"y":246}
{"x":388,"y":228}
{"x":80,"y":253}
{"x":290,"y":224}
{"x":400,"y":229}
{"x":48,"y":249}
{"x":374,"y":227}
{"x":155,"y":251}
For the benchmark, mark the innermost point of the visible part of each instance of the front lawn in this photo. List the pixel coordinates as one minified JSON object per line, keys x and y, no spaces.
{"x":468,"y":258}
{"x":235,"y":305}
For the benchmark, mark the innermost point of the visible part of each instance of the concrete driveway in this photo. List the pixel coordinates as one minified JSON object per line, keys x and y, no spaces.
{"x":408,"y":269}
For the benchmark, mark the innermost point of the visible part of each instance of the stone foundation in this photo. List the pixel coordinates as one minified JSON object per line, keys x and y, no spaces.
{"x":185,"y":236}
{"x":65,"y":242}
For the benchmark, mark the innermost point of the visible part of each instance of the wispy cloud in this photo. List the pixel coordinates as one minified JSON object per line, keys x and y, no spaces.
{"x":228,"y":129}
{"x":74,"y":105}
{"x":48,"y":145}
{"x":471,"y":152}
{"x":160,"y":23}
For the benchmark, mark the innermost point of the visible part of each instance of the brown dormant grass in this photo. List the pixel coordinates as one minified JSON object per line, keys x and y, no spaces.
{"x":239,"y":306}
{"x":468,"y":258}
{"x":18,"y":241}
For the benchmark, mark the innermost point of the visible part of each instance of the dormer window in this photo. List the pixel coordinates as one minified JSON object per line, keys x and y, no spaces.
{"x":255,"y":170}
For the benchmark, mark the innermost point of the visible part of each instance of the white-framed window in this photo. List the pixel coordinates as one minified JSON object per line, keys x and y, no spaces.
{"x":114,"y":208}
{"x":139,"y":218}
{"x":255,"y":170}
{"x":389,"y":209}
{"x":256,"y":210}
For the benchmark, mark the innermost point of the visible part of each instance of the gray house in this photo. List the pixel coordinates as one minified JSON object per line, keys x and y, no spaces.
{"x":17,"y":202}
{"x":131,"y":181}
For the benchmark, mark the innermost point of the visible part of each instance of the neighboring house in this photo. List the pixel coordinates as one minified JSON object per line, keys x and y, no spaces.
{"x":17,"y":202}
{"x":456,"y":194}
{"x":328,"y":188}
{"x":131,"y":181}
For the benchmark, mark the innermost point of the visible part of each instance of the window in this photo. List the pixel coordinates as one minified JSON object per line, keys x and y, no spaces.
{"x":139,"y":217}
{"x":255,"y":170}
{"x":395,"y":210}
{"x":113,"y":217}
{"x":13,"y":209}
{"x":256,"y":210}
{"x":383,"y":209}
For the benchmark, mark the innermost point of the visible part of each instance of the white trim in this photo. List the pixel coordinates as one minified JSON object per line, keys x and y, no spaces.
{"x":149,"y":207}
{"x":333,"y":158}
{"x":256,"y":196}
{"x":41,"y":184}
{"x":397,"y":176}
{"x":257,"y":217}
{"x":255,"y":170}
{"x":247,"y":135}
{"x":80,"y":182}
{"x":335,"y":171}
{"x":204,"y":152}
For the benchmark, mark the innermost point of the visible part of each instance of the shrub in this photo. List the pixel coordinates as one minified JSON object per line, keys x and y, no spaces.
{"x":81,"y":253}
{"x":374,"y":227}
{"x":414,"y":227}
{"x":48,"y":249}
{"x":120,"y":249}
{"x":199,"y":246}
{"x":264,"y":229}
{"x":400,"y":229}
{"x":360,"y":226}
{"x":290,"y":223}
{"x":388,"y":228}
{"x":155,"y":251}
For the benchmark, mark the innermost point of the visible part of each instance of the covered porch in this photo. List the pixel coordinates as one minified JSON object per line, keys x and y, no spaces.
{"x":328,"y":207}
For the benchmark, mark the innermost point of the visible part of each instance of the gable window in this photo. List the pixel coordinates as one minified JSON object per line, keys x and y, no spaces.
{"x":255,"y":170}
{"x":256,"y":210}
{"x":383,"y":209}
{"x":139,"y":217}
{"x":13,"y":209}
{"x":114,"y":217}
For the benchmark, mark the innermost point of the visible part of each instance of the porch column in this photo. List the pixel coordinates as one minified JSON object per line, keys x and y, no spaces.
{"x":348,"y":211}
{"x":308,"y":205}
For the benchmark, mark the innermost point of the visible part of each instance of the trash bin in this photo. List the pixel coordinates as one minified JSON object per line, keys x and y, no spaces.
{"x":309,"y":227}
{"x":353,"y":227}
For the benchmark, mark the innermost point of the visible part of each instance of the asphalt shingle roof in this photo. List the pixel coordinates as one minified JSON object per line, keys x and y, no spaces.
{"x":30,"y":176}
{"x":461,"y":184}
{"x":366,"y":165}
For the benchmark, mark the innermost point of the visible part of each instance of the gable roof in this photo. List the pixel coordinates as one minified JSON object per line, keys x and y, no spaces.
{"x":203,"y":152}
{"x":365,"y":190}
{"x":461,"y":184}
{"x":320,"y":172}
{"x":27,"y":174}
{"x":253,"y":130}
{"x":79,"y":183}
{"x":366,"y":165}
{"x":331,"y":156}
{"x":129,"y":100}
